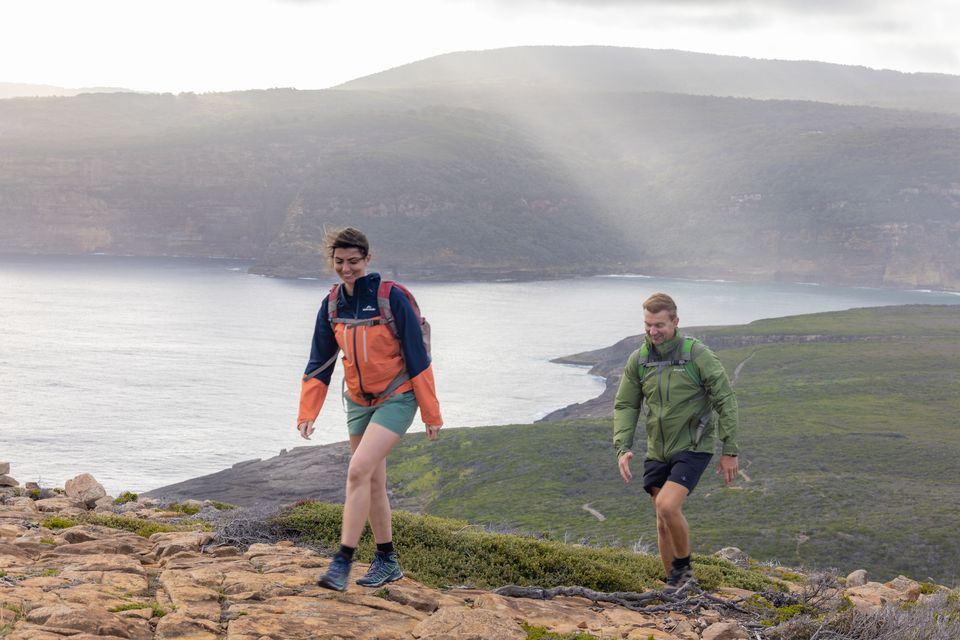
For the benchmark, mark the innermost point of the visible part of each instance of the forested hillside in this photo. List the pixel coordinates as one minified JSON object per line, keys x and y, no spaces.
{"x":481,"y":179}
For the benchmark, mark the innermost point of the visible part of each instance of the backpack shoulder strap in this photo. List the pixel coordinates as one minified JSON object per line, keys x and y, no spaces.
{"x":383,"y":301}
{"x":687,"y":356}
{"x":644,"y":352}
{"x":643,"y":357}
{"x":332,"y":299}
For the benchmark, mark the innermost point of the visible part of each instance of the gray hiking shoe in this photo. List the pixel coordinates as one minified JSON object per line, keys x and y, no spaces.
{"x":337,"y":574}
{"x":681,"y":579}
{"x":384,"y":568}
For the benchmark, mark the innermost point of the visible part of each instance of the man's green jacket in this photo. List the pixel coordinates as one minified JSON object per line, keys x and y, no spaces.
{"x":676,"y":403}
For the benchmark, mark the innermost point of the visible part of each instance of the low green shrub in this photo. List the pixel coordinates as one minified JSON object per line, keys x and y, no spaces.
{"x":125,"y":497}
{"x":143,"y":528}
{"x":441,"y":552}
{"x":185,"y":509}
{"x":58,"y":523}
{"x":540,"y":633}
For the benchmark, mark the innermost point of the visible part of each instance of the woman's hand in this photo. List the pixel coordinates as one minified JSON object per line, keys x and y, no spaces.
{"x":306,"y":429}
{"x":433,"y":430}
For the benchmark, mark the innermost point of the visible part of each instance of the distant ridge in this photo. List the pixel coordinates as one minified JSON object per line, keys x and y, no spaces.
{"x":491,"y":171}
{"x":22,"y":90}
{"x":620,"y":69}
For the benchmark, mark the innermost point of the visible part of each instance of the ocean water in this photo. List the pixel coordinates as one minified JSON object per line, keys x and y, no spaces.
{"x":149,"y":371}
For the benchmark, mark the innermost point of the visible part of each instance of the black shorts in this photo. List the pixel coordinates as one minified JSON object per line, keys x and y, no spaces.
{"x":683,"y":468}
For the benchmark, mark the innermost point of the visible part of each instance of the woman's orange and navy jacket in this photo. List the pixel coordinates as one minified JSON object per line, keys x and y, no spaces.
{"x":372,"y":356}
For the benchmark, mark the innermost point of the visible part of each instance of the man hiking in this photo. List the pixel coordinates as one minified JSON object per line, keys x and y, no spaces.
{"x":682,"y":383}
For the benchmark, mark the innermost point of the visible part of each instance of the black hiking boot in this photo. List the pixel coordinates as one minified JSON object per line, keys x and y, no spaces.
{"x":681,"y":579}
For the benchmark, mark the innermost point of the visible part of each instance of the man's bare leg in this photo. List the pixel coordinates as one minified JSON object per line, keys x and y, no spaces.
{"x":673,"y":532}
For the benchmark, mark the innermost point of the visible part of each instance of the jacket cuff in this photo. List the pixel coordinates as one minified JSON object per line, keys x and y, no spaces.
{"x":312,"y":394}
{"x":426,"y":393}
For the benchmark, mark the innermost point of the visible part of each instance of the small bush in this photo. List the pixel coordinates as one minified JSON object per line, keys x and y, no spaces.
{"x":185,"y":509}
{"x":58,"y":523}
{"x":540,"y":633}
{"x":222,"y":506}
{"x":143,"y":528}
{"x":125,"y":497}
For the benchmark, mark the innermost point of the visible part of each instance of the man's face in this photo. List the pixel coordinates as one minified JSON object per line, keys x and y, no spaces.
{"x":660,"y":326}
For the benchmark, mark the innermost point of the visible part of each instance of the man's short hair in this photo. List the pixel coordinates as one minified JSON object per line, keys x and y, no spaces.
{"x":661,"y":302}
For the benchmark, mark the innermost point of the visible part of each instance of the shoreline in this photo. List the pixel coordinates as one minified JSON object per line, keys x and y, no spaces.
{"x":453,"y":274}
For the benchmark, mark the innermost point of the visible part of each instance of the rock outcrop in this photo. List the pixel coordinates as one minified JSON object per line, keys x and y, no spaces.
{"x":92,"y":581}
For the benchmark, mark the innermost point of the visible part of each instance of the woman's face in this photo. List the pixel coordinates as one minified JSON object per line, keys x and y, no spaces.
{"x":350,"y":264}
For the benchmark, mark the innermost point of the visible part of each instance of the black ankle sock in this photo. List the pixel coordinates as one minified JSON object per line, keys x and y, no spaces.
{"x":385,"y":547}
{"x":680,"y":563}
{"x":346,"y":552}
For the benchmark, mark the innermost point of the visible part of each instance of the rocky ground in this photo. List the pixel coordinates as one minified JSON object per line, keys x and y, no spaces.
{"x":89,"y":580}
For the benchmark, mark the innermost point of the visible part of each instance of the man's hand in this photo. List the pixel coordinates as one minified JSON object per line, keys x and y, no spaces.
{"x":433,"y":430}
{"x":728,"y":468}
{"x":624,"y":463}
{"x":306,"y":429}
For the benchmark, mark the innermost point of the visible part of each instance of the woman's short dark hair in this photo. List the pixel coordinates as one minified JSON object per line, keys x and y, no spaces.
{"x":344,"y":239}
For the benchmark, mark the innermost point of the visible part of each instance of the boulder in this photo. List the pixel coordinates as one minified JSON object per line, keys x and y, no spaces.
{"x":4,"y":468}
{"x":85,"y":488}
{"x":60,"y":505}
{"x":871,"y":596}
{"x":734,"y":555}
{"x":77,"y":618}
{"x":909,"y":589}
{"x":104,"y":504}
{"x":7,"y":481}
{"x":857,"y":579}
{"x":725,"y":631}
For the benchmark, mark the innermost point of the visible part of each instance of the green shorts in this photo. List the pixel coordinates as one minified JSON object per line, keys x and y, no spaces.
{"x":396,"y":414}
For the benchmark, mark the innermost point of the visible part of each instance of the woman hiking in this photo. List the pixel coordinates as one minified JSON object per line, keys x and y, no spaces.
{"x":388,"y":375}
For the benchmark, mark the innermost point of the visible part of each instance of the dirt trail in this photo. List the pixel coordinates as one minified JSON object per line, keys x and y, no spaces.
{"x":736,"y":372}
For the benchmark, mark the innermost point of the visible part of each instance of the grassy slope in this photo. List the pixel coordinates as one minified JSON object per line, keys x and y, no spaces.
{"x":851,"y":450}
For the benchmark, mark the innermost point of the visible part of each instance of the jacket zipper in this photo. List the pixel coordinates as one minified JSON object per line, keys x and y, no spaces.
{"x":356,"y":361}
{"x":663,"y":444}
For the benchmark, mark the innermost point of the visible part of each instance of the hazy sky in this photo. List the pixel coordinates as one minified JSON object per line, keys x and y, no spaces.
{"x":214,"y":45}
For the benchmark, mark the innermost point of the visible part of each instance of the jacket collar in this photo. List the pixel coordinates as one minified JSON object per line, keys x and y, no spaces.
{"x":666,"y":347}
{"x":367,"y":285}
